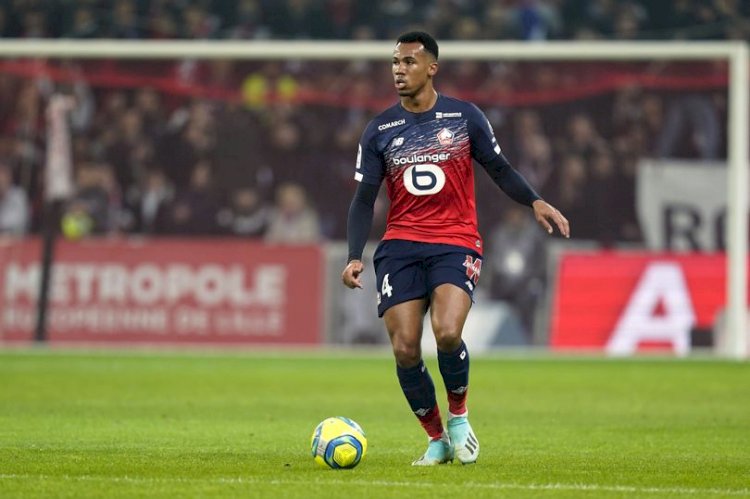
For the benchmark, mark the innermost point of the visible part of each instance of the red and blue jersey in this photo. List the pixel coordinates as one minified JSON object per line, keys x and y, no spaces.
{"x":426,"y":162}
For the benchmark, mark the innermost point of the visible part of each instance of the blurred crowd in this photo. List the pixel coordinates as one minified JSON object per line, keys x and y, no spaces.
{"x":267,"y":164}
{"x":266,"y":150}
{"x":385,"y":19}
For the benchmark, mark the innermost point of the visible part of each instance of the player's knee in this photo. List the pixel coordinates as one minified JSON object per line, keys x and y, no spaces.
{"x":407,"y":354}
{"x":447,"y":338}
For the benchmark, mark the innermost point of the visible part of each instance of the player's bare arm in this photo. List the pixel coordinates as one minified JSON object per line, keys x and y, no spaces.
{"x":352,"y":274}
{"x":546,"y":213}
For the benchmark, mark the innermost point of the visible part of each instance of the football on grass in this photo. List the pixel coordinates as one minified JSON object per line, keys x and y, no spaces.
{"x":338,"y":443}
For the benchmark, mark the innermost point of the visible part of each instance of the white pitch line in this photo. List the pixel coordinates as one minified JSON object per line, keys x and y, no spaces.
{"x":571,"y":487}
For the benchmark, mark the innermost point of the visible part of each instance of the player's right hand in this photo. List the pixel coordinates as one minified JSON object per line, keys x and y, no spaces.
{"x":352,"y":273}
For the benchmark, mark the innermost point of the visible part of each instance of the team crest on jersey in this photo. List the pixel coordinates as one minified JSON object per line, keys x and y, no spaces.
{"x":473,"y":268}
{"x":445,"y":137}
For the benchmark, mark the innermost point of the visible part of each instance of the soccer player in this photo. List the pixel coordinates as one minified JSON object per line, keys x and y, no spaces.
{"x":430,"y":256}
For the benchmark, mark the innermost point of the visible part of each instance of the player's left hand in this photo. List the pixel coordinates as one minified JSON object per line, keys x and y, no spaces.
{"x":545,"y":212}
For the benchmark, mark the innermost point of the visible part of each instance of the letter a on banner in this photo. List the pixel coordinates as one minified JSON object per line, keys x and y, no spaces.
{"x":662,"y":287}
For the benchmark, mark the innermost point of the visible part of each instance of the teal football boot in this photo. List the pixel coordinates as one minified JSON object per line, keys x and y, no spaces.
{"x":465,"y":443}
{"x":439,"y":451}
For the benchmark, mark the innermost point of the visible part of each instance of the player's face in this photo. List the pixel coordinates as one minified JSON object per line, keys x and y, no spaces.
{"x":412,"y":68}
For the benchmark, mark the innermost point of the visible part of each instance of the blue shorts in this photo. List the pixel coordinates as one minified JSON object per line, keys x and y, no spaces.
{"x":408,"y":270}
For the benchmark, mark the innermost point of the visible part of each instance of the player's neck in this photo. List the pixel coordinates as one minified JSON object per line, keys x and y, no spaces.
{"x":423,"y":101}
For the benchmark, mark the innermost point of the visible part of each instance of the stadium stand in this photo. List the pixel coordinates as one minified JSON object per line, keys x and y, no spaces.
{"x":168,"y":147}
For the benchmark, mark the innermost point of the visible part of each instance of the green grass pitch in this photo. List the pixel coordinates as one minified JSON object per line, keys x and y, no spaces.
{"x":138,"y":424}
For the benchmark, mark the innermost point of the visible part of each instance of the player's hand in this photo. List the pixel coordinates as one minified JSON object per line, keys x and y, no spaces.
{"x":352,"y":273}
{"x":546,"y":213}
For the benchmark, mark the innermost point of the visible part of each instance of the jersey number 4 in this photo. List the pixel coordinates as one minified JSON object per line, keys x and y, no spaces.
{"x":422,"y":180}
{"x":386,"y":289}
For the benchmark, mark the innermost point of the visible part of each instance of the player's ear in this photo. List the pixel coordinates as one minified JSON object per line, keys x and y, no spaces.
{"x":432,"y":69}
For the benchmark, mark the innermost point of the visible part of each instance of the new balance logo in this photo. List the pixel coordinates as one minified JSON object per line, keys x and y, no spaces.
{"x":398,"y":141}
{"x":421,"y":412}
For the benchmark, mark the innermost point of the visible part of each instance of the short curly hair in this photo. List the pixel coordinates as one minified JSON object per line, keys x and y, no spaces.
{"x":427,"y":41}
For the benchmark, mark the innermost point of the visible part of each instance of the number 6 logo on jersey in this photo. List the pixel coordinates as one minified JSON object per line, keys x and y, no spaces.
{"x":423,"y":180}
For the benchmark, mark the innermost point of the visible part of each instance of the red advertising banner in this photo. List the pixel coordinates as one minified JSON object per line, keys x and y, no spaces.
{"x":167,"y":290}
{"x":625,"y":302}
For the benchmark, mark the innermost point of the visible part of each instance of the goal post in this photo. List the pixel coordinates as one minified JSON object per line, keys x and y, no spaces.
{"x":735,"y":53}
{"x":737,"y":190}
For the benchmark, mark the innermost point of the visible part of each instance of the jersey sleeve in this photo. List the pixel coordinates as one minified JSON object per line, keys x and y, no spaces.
{"x":484,"y":146}
{"x":370,"y":165}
